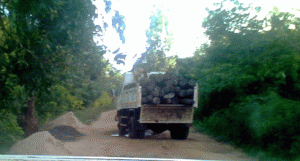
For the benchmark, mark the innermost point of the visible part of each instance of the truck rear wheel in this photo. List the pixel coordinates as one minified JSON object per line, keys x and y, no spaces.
{"x":135,"y":131}
{"x":122,"y":130}
{"x":122,"y":125}
{"x":180,"y":132}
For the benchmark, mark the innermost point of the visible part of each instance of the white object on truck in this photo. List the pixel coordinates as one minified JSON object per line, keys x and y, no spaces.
{"x":128,"y":78}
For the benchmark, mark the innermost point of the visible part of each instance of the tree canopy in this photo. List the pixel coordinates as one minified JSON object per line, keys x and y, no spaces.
{"x":48,"y":52}
{"x":249,"y":77}
{"x":159,"y":40}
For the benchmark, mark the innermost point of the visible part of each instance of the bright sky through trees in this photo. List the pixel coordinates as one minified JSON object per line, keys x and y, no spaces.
{"x":185,"y":19}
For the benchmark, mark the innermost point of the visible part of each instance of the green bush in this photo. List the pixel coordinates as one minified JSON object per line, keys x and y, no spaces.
{"x":103,"y":100}
{"x":267,"y":121}
{"x":279,"y":131}
{"x":229,"y":125}
{"x":10,"y":131}
{"x":90,"y":114}
{"x":223,"y":85}
{"x":214,"y":99}
{"x":273,"y":123}
{"x":55,"y":103}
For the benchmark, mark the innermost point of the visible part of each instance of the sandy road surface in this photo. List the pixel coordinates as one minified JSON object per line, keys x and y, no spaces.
{"x":98,"y":141}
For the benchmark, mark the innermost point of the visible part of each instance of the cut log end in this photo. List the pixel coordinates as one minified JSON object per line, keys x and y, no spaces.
{"x":163,"y":89}
{"x":156,"y":100}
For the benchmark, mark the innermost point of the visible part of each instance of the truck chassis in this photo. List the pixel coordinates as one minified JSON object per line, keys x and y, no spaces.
{"x":129,"y":121}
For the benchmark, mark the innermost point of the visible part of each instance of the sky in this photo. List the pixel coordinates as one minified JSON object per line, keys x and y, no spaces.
{"x":185,"y":20}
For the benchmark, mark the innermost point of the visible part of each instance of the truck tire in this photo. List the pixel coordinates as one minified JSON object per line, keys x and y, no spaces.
{"x":180,"y":132}
{"x":122,"y":129}
{"x":135,"y":131}
{"x":132,"y":133}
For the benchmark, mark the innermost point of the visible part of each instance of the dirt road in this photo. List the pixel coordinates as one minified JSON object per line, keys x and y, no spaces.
{"x":98,"y":141}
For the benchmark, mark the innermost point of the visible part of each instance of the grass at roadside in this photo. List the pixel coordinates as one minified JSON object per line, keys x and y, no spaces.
{"x":91,"y":114}
{"x":260,"y":155}
{"x":4,"y":148}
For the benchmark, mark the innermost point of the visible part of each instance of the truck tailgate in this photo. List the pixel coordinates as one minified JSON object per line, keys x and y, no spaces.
{"x":166,"y":114}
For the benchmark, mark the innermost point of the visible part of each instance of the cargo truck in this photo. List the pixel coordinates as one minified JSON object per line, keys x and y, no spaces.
{"x":156,"y":102}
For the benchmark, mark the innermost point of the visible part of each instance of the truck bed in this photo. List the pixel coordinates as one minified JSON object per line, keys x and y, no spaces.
{"x":161,"y":113}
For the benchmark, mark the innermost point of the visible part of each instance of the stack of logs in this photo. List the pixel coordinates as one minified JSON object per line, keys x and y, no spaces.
{"x":165,"y":89}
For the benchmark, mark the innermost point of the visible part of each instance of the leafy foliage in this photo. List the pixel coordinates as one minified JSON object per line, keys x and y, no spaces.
{"x":104,"y":100}
{"x":249,"y":79}
{"x":159,"y":40}
{"x":56,"y":102}
{"x":47,"y":50}
{"x":117,"y":22}
{"x":10,"y":131}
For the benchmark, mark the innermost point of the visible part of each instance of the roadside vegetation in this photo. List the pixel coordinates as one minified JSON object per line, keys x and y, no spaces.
{"x":249,"y":79}
{"x":50,"y":64}
{"x":91,"y":114}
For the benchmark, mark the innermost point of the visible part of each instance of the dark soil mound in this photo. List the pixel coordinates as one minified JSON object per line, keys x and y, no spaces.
{"x":65,"y":133}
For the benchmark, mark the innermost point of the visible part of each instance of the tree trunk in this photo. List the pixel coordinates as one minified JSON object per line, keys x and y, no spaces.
{"x":30,"y":122}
